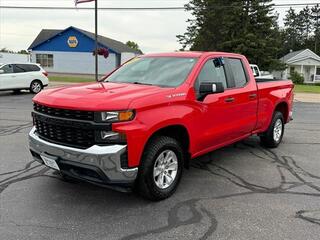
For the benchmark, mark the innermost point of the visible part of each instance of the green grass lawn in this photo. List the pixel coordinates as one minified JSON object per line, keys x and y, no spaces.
{"x":306,"y":89}
{"x":69,"y":79}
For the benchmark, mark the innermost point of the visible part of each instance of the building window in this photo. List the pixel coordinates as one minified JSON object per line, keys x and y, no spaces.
{"x":45,"y":60}
{"x":318,"y":71}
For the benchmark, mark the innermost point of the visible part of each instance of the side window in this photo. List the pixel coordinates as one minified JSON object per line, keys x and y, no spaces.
{"x":18,"y":68}
{"x":239,"y":74}
{"x":30,"y":67}
{"x":34,"y":68}
{"x":210,"y":73}
{"x":7,"y":68}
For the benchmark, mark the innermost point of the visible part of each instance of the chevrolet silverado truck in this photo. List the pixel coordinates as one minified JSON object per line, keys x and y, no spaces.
{"x":140,"y":126}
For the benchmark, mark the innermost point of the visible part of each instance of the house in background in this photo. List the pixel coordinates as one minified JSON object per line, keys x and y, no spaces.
{"x":305,"y":62}
{"x":71,"y":51}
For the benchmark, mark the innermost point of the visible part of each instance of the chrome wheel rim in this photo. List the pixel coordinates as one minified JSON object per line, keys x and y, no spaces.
{"x":277,"y":130}
{"x":165,"y":169}
{"x":36,"y":87}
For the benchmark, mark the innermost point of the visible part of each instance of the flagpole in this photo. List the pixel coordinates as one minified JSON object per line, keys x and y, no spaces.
{"x":96,"y":38}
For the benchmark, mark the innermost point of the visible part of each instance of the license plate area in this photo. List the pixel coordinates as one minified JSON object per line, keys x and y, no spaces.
{"x":50,"y":161}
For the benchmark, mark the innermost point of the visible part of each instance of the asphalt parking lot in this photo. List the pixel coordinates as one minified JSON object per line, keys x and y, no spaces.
{"x":242,"y":191}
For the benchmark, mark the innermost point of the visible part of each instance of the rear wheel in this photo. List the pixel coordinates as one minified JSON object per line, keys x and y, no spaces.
{"x":273,"y":136}
{"x":36,"y":86}
{"x":161,"y":168}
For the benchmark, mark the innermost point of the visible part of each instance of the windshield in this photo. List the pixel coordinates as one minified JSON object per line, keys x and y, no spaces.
{"x":159,"y":71}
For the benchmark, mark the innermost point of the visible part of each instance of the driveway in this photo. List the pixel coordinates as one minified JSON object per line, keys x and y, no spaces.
{"x":242,"y":191}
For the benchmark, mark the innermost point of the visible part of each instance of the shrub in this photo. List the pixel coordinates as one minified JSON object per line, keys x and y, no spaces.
{"x":296,"y":78}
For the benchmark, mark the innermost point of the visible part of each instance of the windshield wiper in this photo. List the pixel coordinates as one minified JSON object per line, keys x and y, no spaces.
{"x":141,"y":83}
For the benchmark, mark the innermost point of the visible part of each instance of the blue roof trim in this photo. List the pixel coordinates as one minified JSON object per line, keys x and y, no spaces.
{"x":59,"y":42}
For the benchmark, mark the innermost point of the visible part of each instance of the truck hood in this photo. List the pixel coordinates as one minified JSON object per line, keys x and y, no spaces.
{"x":97,"y":96}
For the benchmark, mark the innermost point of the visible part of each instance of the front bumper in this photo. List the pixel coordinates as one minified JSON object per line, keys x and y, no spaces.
{"x":97,"y":164}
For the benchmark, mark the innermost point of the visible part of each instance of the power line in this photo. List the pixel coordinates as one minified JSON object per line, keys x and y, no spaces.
{"x":138,"y":8}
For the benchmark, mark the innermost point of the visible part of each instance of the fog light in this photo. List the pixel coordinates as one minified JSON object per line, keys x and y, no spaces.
{"x":112,"y":137}
{"x":109,"y":135}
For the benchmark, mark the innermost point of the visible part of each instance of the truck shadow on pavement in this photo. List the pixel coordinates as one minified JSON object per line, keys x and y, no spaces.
{"x":291,"y":177}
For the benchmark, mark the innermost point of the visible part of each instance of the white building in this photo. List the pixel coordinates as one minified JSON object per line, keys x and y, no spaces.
{"x":305,"y":62}
{"x":14,"y":58}
{"x":71,"y":51}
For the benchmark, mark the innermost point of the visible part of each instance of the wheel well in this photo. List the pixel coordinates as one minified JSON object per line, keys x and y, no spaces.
{"x":38,"y":80}
{"x":177,"y":132}
{"x":283,"y":108}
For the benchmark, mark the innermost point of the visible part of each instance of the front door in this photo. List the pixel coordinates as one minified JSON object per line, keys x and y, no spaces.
{"x":228,"y":116}
{"x":214,"y":120}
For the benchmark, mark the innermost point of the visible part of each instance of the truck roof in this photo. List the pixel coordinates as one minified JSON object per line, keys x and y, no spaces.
{"x":191,"y":54}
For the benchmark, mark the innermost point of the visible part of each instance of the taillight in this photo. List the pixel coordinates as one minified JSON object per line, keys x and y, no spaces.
{"x":45,"y":73}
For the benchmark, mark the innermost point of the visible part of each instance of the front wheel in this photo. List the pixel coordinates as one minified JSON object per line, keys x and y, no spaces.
{"x":35,"y":86}
{"x":161,"y":168}
{"x":273,"y":136}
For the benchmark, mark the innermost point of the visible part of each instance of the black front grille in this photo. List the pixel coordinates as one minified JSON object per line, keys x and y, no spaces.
{"x":64,"y":113}
{"x":67,"y":135}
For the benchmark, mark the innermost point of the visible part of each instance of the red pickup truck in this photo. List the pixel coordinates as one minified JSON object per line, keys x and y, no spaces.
{"x":142,"y":124}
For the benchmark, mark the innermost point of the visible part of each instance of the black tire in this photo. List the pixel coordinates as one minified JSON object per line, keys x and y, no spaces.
{"x":36,"y":86}
{"x":146,"y":183}
{"x":268,"y":138}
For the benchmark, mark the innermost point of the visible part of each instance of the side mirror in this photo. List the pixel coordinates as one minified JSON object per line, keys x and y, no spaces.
{"x":1,"y":71}
{"x":207,"y":88}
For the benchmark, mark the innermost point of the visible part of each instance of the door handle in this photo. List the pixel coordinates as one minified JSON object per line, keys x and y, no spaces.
{"x":229,"y":99}
{"x":253,"y":96}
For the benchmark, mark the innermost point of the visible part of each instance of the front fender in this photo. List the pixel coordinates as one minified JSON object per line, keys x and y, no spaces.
{"x":148,"y":122}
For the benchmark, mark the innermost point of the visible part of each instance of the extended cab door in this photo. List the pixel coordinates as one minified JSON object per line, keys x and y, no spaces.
{"x":228,"y":116}
{"x":7,"y":77}
{"x":243,"y":99}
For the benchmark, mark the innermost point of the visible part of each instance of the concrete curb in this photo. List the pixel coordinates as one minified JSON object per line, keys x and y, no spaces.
{"x":307,"y":97}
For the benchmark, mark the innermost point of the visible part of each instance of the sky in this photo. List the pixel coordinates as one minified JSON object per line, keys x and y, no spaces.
{"x":154,"y":31}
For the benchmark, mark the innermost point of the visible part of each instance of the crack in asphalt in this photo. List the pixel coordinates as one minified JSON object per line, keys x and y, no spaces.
{"x":305,"y":215}
{"x":12,"y":129}
{"x":282,"y":163}
{"x":286,"y":166}
{"x":198,"y":213}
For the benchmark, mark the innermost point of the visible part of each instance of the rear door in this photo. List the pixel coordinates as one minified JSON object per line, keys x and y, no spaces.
{"x":242,"y":98}
{"x":7,"y":78}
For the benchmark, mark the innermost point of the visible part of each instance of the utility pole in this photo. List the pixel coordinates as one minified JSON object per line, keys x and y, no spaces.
{"x":96,"y":39}
{"x":318,"y":30}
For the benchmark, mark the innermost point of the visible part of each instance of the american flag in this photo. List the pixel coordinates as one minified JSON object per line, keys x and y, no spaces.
{"x":82,"y":1}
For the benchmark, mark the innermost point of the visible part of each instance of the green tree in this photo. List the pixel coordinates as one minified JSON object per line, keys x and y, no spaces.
{"x":292,"y":39}
{"x":5,"y":50}
{"x":302,"y":29}
{"x":315,"y":17}
{"x":23,"y":52}
{"x":133,"y":45}
{"x":246,"y":27}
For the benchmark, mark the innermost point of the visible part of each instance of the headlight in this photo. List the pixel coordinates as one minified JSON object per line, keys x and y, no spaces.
{"x":117,"y":116}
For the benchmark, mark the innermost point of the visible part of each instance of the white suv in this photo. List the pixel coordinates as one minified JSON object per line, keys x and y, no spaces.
{"x":18,"y":76}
